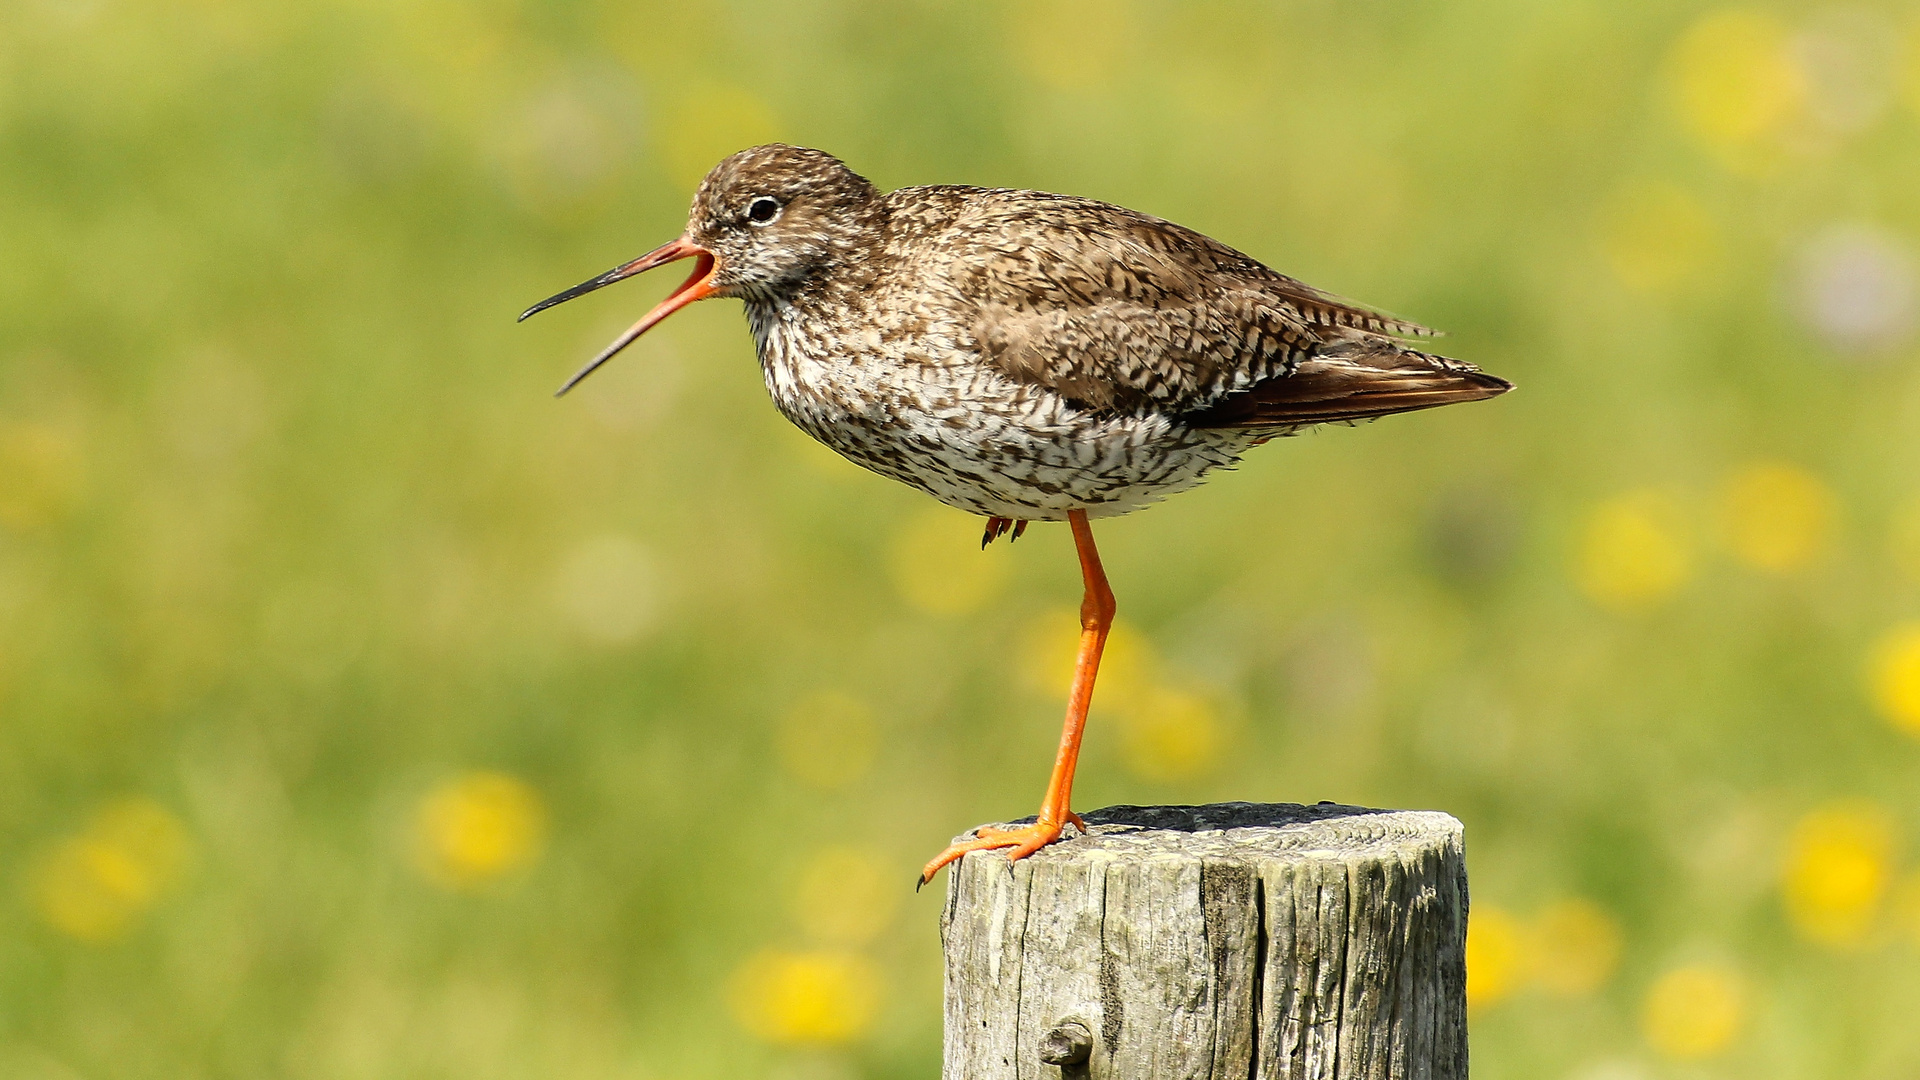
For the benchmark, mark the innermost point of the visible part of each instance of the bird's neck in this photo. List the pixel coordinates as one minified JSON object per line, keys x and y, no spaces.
{"x":795,"y":343}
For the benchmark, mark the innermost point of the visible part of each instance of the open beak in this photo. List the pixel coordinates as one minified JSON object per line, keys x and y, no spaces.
{"x":698,"y":286}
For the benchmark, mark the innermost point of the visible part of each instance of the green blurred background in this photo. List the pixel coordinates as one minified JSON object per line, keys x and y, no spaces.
{"x":365,"y":712}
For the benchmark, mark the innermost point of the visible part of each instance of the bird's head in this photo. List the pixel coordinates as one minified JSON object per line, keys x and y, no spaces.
{"x":775,"y":215}
{"x":763,"y":222}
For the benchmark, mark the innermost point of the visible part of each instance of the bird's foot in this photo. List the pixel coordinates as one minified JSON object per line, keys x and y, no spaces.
{"x":997,"y":527}
{"x":1024,"y":840}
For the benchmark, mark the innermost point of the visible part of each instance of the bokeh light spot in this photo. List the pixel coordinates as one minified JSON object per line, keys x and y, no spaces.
{"x":1734,"y":78}
{"x":1694,"y":1012}
{"x":1895,"y":676}
{"x":1496,"y":955}
{"x":1049,"y":648}
{"x":1838,"y":866}
{"x":39,"y":475}
{"x":1850,"y":58}
{"x":1576,"y":947}
{"x":846,"y":896}
{"x":478,"y":828}
{"x":1634,"y":552}
{"x":1658,"y":236}
{"x":1855,"y":287}
{"x":608,"y":589}
{"x":1168,"y":731}
{"x":1777,"y":517}
{"x":938,"y":566}
{"x":826,"y":996}
{"x":95,"y":884}
{"x":708,"y":125}
{"x":1569,"y":948}
{"x":828,"y":739}
{"x":1168,"y":734}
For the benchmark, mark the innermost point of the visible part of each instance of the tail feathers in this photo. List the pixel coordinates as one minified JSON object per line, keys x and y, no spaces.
{"x":1352,"y":381}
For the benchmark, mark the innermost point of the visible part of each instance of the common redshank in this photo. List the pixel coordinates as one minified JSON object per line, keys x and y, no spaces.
{"x":1026,"y":356}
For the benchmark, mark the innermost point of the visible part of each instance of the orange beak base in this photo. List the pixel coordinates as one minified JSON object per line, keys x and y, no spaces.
{"x":698,"y":286}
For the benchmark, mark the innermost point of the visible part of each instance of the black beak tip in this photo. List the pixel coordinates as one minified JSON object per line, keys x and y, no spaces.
{"x":540,"y":307}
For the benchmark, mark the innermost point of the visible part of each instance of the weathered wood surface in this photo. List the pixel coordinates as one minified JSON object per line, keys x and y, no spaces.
{"x":1238,"y":940}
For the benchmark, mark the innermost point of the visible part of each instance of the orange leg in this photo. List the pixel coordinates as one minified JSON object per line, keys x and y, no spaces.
{"x":1096,"y":618}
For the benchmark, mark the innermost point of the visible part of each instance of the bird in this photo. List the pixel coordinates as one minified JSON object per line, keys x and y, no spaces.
{"x":1025,"y":356}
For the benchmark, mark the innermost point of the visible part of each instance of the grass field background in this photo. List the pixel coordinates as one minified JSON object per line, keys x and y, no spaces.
{"x":365,"y":712}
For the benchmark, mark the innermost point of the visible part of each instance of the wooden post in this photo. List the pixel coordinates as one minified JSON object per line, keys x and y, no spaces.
{"x":1236,"y":941}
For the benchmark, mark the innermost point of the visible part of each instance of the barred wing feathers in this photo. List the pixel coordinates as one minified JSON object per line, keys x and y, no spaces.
{"x":1115,"y":310}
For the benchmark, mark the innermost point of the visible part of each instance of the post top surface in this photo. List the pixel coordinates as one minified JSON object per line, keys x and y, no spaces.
{"x":1251,"y":831}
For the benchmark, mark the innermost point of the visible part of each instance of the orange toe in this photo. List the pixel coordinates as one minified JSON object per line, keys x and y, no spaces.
{"x":1024,"y":840}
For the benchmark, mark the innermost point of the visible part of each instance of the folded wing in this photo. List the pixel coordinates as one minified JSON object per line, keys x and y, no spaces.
{"x":1119,"y":311}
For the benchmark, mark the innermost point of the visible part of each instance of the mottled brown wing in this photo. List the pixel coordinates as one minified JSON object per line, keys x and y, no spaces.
{"x":1117,"y":310}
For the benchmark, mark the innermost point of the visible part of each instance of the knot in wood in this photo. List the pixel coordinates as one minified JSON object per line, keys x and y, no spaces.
{"x":1069,"y":1043}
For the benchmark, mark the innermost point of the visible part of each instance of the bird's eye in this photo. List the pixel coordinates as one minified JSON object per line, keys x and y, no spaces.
{"x":763,"y":210}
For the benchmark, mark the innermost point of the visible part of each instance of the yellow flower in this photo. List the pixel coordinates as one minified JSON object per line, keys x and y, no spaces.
{"x":1169,"y":734}
{"x":845,"y":896}
{"x":938,"y":565}
{"x":94,"y":884}
{"x":1694,"y":1012}
{"x":1839,"y":863}
{"x":39,"y":475}
{"x":1895,"y":676}
{"x":1657,"y":236}
{"x":1777,"y":517}
{"x":1734,"y":79}
{"x":479,"y":828}
{"x":1576,"y":946}
{"x":806,"y":997}
{"x":1496,"y":955}
{"x":828,"y":739}
{"x":1634,"y":551}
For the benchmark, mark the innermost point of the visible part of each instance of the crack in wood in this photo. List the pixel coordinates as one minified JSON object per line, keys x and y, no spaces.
{"x":1259,"y":989}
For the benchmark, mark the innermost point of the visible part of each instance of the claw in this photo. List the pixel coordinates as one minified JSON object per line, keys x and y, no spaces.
{"x":997,"y":527}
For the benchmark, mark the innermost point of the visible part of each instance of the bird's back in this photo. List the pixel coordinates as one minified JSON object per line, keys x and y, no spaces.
{"x":1115,"y":310}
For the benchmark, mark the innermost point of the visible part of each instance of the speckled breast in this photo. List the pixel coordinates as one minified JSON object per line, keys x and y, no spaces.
{"x":932,"y":415}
